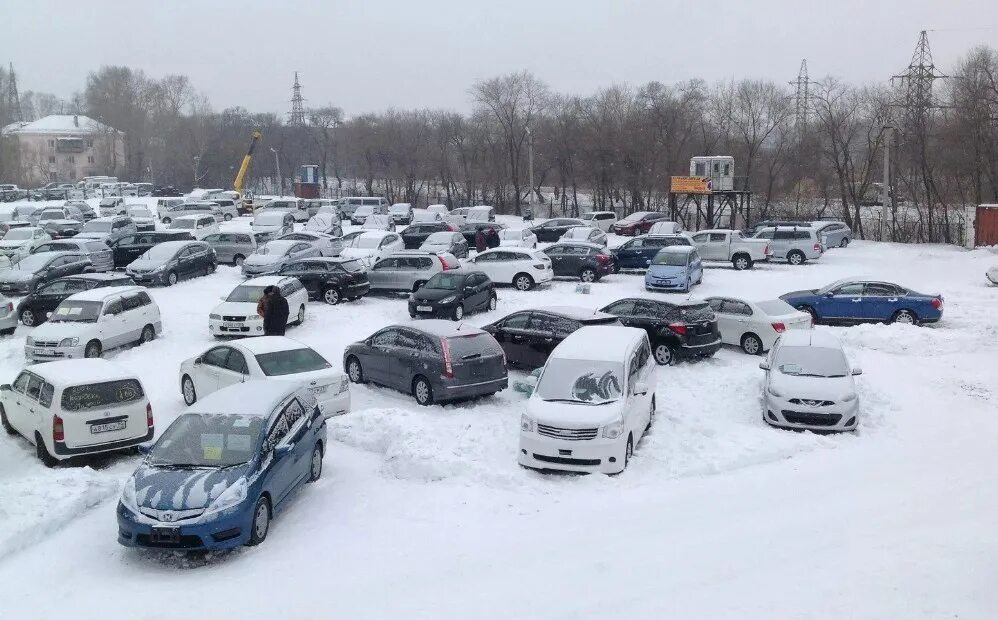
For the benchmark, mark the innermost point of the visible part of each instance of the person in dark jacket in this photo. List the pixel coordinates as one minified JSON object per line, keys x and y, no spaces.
{"x":275,"y":321}
{"x":480,"y":244}
{"x":492,"y":237}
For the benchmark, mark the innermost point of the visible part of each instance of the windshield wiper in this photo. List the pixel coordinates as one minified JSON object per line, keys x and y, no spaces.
{"x":180,"y":465}
{"x":575,"y":401}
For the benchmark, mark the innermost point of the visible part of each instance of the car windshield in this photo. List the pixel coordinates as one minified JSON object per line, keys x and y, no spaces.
{"x":634,"y":217}
{"x":74,"y":311}
{"x":246,"y":293}
{"x":364,"y":211}
{"x":51,"y":215}
{"x":441,"y":238}
{"x":159,"y":252}
{"x":775,"y":307}
{"x":33,"y":262}
{"x":445,"y":281}
{"x":672,"y":259}
{"x":811,"y":362}
{"x":833,"y":285}
{"x":139,"y":212}
{"x":95,"y":226}
{"x":279,"y":363}
{"x":18,"y":234}
{"x":577,"y":233}
{"x":367,"y":243}
{"x":208,"y":440}
{"x":269,"y":219}
{"x":511,"y":234}
{"x":590,"y":382}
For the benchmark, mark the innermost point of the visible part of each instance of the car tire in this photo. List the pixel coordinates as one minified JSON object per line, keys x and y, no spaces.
{"x":5,"y":422}
{"x":796,"y":257}
{"x":171,"y":278}
{"x":523,"y":282}
{"x":844,"y":242}
{"x":42,"y":452}
{"x":752,"y":344}
{"x":628,"y":451}
{"x":458,"y":313}
{"x":148,"y":334}
{"x":93,"y":349}
{"x":588,"y":275}
{"x":227,"y":217}
{"x":664,"y":354}
{"x":315,"y":465}
{"x":28,"y":317}
{"x":331,"y":296}
{"x":422,"y":391}
{"x":188,"y":390}
{"x":301,"y":315}
{"x":166,"y":221}
{"x":741,"y":262}
{"x":238,"y":259}
{"x":809,"y":310}
{"x":261,"y":522}
{"x":651,"y":414}
{"x":493,"y":302}
{"x":904,"y":317}
{"x":355,"y":372}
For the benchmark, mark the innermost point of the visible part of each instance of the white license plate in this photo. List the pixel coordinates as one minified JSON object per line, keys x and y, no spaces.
{"x":424,"y":308}
{"x":319,"y":389}
{"x":231,"y":325}
{"x":108,"y":427}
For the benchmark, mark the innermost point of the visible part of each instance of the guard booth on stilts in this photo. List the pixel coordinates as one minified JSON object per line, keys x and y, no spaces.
{"x":711,"y":196}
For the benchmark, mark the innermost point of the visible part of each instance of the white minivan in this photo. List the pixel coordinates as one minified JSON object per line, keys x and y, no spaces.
{"x":200,"y":226}
{"x":594,"y":400}
{"x":76,"y":407}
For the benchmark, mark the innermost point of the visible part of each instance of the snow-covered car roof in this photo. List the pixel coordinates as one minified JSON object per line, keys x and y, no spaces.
{"x":577,"y":243}
{"x":256,"y":398}
{"x":269,"y":344}
{"x":193,"y":217}
{"x":100,"y":294}
{"x":66,"y":372}
{"x":266,"y":280}
{"x":599,"y":342}
{"x":444,"y":329}
{"x":280,"y":246}
{"x":809,"y":338}
{"x":577,"y":313}
{"x":678,"y":249}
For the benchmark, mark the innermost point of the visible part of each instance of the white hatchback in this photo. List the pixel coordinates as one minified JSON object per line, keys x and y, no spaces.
{"x":236,"y":315}
{"x":522,"y":268}
{"x":268,"y":358}
{"x":517,"y":238}
{"x":755,"y":325}
{"x":199,"y":226}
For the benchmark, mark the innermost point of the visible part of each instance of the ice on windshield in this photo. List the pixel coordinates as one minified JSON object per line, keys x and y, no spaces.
{"x":208,"y":440}
{"x":445,"y":281}
{"x":583,"y":381}
{"x":159,"y":253}
{"x":95,"y":226}
{"x":77,"y":311}
{"x":33,"y":262}
{"x":279,"y":363}
{"x":811,"y":362}
{"x":367,"y":243}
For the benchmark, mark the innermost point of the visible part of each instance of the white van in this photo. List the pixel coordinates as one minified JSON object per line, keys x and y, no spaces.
{"x":76,"y":407}
{"x":269,"y":225}
{"x":350,"y":204}
{"x":200,"y":226}
{"x":297,"y":207}
{"x":594,"y":400}
{"x":481,"y":213}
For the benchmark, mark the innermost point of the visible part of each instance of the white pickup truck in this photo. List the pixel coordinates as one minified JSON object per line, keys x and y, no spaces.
{"x":729,"y":245}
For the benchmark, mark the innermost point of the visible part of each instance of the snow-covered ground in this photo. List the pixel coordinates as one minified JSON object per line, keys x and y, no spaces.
{"x":424,"y":513}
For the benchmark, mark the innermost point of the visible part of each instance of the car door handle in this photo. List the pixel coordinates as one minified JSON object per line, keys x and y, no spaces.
{"x":857,"y":300}
{"x":892,"y":299}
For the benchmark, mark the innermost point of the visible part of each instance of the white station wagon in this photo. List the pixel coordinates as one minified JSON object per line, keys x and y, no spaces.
{"x":76,"y":407}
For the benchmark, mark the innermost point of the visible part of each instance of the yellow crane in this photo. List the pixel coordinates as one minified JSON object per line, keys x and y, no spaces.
{"x":241,"y":175}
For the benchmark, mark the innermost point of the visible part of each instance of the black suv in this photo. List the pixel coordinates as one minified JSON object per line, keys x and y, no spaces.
{"x":330,"y":279}
{"x":687,"y":329}
{"x":130,"y":247}
{"x":35,"y":308}
{"x":585,"y":261}
{"x":452,"y":294}
{"x":528,"y":336}
{"x":552,"y":230}
{"x":415,"y":234}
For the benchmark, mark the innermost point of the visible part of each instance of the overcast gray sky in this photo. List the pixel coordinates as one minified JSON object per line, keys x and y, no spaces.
{"x":374,"y":54}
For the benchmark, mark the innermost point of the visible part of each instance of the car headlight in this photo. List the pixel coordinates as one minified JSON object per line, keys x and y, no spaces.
{"x":159,"y":269}
{"x":29,"y":341}
{"x":848,"y":398}
{"x":412,"y":297}
{"x":254,"y":317}
{"x":773,"y":390}
{"x":69,"y":342}
{"x":215,"y":317}
{"x":128,"y":499}
{"x":613,"y":430}
{"x":448,"y":300}
{"x":526,"y":423}
{"x":230,"y":497}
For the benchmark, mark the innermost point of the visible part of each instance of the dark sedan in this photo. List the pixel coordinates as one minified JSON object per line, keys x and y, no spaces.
{"x":130,"y":247}
{"x":435,"y":361}
{"x":553,"y":229}
{"x":637,"y":223}
{"x":171,"y":261}
{"x":686,"y":329}
{"x":34,"y":270}
{"x":330,"y":279}
{"x":166,"y":192}
{"x":867,"y":301}
{"x":585,"y":261}
{"x":36,"y":307}
{"x":638,"y":253}
{"x":415,"y":234}
{"x":453,"y":294}
{"x":62,"y":229}
{"x":528,"y":336}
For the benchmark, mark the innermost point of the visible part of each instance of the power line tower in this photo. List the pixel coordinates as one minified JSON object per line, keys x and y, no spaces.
{"x":297,"y":115}
{"x":802,"y":96}
{"x":13,"y":99}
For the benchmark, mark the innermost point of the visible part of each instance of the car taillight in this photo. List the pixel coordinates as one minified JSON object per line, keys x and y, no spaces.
{"x":817,"y":247}
{"x":937,"y":303}
{"x":149,"y":421}
{"x":451,"y":228}
{"x":603,"y":258}
{"x":678,"y":328}
{"x":765,"y":250}
{"x":779,"y":327}
{"x":10,"y":307}
{"x":443,"y":265}
{"x":58,"y":433}
{"x":541,"y":266}
{"x":448,"y":367}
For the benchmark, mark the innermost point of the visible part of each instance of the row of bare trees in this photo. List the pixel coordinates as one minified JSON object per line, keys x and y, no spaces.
{"x":614,"y":149}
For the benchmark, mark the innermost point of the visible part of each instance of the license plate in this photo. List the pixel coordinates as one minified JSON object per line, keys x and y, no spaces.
{"x":232,"y":325}
{"x":166,"y":535}
{"x":108,"y":427}
{"x":319,"y":389}
{"x":424,"y":308}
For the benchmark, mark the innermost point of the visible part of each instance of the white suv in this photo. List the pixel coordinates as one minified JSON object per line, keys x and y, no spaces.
{"x":594,"y":400}
{"x":236,"y":315}
{"x":795,"y":244}
{"x":87,"y":324}
{"x":524,"y":269}
{"x":74,"y":407}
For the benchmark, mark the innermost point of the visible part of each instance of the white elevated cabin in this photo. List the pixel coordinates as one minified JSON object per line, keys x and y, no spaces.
{"x":720,"y":169}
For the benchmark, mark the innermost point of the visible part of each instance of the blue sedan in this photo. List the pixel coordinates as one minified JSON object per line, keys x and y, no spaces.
{"x":865,"y":301}
{"x":224,"y":468}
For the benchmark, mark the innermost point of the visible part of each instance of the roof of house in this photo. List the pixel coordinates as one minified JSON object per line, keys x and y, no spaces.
{"x":59,"y":124}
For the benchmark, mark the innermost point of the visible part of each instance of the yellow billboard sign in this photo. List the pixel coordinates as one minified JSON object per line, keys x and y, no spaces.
{"x":690,"y":185}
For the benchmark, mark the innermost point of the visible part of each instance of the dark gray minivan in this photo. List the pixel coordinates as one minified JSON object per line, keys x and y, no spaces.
{"x":434,"y":360}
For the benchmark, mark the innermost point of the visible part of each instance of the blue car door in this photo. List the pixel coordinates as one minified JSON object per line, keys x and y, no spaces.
{"x":277,"y":471}
{"x":629,"y":255}
{"x":845,"y":303}
{"x":880,"y":301}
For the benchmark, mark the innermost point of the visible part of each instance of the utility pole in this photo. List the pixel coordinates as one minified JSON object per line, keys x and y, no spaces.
{"x":280,"y":179}
{"x":885,"y":193}
{"x":297,"y":115}
{"x":530,"y":166}
{"x":197,"y":163}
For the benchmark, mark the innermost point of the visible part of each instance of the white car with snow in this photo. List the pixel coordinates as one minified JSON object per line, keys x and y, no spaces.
{"x":594,"y":400}
{"x":19,"y":242}
{"x":522,"y":268}
{"x":725,"y":245}
{"x":236,"y":315}
{"x":755,"y":325}
{"x":517,"y":238}
{"x":378,"y":222}
{"x":599,"y":219}
{"x":142,"y":216}
{"x":89,"y":323}
{"x":76,"y":407}
{"x":266,"y":358}
{"x":665,"y":228}
{"x":199,"y":226}
{"x":588,"y":234}
{"x":371,"y":246}
{"x":422,"y":216}
{"x":273,"y":256}
{"x":809,"y":384}
{"x":326,"y":244}
{"x":269,"y":224}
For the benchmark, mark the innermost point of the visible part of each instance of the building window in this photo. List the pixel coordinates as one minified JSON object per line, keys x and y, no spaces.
{"x":90,"y":159}
{"x":51,"y":159}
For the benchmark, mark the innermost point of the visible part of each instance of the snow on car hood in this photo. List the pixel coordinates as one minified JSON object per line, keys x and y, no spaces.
{"x":145,"y":264}
{"x":14,"y":244}
{"x":817,"y":388}
{"x":162,"y":488}
{"x":263,"y":259}
{"x":365,"y":256}
{"x":666,"y":271}
{"x":16,"y":275}
{"x":58,"y":330}
{"x":573,"y":415}
{"x":236,"y":308}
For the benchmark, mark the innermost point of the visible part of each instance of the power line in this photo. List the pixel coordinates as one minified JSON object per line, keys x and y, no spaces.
{"x":13,"y":99}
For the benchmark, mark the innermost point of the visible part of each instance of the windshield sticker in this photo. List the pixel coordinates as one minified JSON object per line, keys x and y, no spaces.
{"x":790,"y":369}
{"x":212,"y":445}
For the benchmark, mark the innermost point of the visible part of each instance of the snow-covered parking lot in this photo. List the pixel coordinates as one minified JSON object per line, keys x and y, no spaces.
{"x":424,"y":512}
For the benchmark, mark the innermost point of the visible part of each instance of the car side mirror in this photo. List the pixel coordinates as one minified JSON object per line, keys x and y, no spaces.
{"x":198,"y":360}
{"x":640,"y":388}
{"x":5,"y":387}
{"x":829,"y":294}
{"x":282,"y":451}
{"x":857,"y":371}
{"x":469,"y":289}
{"x":143,"y":448}
{"x":764,"y":365}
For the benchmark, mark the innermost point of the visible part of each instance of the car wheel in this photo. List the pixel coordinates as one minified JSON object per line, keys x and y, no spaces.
{"x":331,"y":296}
{"x":28,"y":317}
{"x":796,"y":257}
{"x":664,"y":355}
{"x":187,"y":389}
{"x":751,"y":344}
{"x":315,"y":469}
{"x":458,"y":312}
{"x":93,"y":349}
{"x":171,"y":278}
{"x":492,"y":303}
{"x":43,"y":453}
{"x":809,"y":310}
{"x":741,"y":262}
{"x":651,"y":414}
{"x":148,"y":334}
{"x":227,"y":217}
{"x":166,"y":221}
{"x":261,"y":522}
{"x":523,"y":282}
{"x":301,"y":315}
{"x":905,"y":317}
{"x":587,"y":275}
{"x":238,"y":259}
{"x":5,"y":422}
{"x":628,"y":451}
{"x":354,"y":370}
{"x":844,"y":242}
{"x":423,"y":391}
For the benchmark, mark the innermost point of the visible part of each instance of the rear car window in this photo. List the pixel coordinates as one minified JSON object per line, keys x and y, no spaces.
{"x":108,"y":394}
{"x":696,"y":312}
{"x":466,"y":347}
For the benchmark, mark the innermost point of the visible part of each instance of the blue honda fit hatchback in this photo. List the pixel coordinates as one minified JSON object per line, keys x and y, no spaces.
{"x":224,"y":468}
{"x":675,"y":268}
